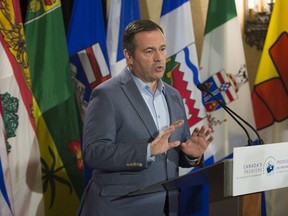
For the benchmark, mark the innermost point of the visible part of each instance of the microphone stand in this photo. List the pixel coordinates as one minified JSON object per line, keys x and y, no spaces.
{"x":203,"y":87}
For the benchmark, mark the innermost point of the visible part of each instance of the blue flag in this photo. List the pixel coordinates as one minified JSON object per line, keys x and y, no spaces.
{"x":87,"y":51}
{"x":121,"y":13}
{"x":87,"y":48}
{"x":182,"y":72}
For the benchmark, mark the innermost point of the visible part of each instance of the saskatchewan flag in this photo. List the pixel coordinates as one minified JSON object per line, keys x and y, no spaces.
{"x":223,"y":69}
{"x":54,"y":108}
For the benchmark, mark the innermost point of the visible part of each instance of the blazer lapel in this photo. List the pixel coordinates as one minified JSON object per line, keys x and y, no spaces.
{"x":171,"y":100}
{"x":137,"y":101}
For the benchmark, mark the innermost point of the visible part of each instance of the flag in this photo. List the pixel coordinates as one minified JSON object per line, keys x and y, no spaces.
{"x":22,"y":193}
{"x":5,"y":177}
{"x":121,"y":13}
{"x":182,"y":63}
{"x":88,"y":53}
{"x":182,"y":73}
{"x":223,"y":70}
{"x":57,"y":120}
{"x":270,"y":97}
{"x":87,"y":49}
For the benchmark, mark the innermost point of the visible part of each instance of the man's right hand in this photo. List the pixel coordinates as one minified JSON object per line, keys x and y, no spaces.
{"x":160,"y":144}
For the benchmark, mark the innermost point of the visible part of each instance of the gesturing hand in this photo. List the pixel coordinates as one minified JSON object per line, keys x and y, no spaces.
{"x":160,"y":144}
{"x":198,"y":142}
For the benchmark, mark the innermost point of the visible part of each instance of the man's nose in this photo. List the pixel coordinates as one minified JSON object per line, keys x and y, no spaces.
{"x":158,"y":56}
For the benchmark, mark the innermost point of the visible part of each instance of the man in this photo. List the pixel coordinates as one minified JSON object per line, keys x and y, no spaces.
{"x":136,"y":132}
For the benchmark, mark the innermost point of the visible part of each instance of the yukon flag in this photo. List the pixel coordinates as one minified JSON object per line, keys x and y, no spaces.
{"x":182,"y":62}
{"x":270,"y":97}
{"x":223,"y":70}
{"x":121,"y":13}
{"x":55,"y":109}
{"x":21,"y":156}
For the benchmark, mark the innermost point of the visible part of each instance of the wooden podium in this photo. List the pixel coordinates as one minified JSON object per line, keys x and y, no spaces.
{"x":219,"y":179}
{"x":221,"y":201}
{"x":235,"y":185}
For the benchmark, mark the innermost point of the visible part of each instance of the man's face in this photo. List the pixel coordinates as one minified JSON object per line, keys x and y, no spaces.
{"x":149,"y":59}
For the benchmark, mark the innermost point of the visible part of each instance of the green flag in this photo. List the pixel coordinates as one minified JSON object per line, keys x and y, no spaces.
{"x":223,"y":70}
{"x":54,"y":108}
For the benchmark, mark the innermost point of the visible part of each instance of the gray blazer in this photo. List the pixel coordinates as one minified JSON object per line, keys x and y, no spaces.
{"x":117,"y":128}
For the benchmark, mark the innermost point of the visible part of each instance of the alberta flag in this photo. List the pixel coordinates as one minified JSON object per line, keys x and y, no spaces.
{"x":87,"y":49}
{"x":223,"y":70}
{"x":270,"y":97}
{"x":121,"y":13}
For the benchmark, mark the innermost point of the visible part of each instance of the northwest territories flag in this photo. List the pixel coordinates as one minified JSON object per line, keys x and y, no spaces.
{"x":270,"y":97}
{"x":223,"y":69}
{"x":121,"y":13}
{"x":183,"y":74}
{"x":87,"y":49}
{"x":182,"y":63}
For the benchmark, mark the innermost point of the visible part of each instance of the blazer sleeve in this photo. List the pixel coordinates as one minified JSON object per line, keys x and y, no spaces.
{"x":101,"y":148}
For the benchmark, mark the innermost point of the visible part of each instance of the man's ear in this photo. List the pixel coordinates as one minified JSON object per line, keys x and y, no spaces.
{"x":128,"y":57}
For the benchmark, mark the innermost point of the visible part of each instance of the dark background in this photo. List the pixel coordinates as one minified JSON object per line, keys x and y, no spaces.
{"x":67,"y":8}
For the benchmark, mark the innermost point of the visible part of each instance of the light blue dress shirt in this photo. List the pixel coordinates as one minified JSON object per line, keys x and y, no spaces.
{"x":157,"y":105}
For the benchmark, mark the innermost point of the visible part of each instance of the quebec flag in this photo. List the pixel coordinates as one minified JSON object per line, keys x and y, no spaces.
{"x":121,"y":13}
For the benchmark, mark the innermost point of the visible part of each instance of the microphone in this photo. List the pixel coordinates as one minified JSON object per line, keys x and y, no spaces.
{"x":203,"y":87}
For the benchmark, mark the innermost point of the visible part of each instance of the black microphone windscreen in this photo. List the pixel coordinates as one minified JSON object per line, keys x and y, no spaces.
{"x":202,"y":87}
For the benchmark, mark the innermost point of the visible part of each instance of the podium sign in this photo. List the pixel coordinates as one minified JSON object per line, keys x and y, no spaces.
{"x":260,"y":168}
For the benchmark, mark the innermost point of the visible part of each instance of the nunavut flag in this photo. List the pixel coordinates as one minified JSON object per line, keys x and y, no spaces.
{"x":54,"y":108}
{"x":270,"y":97}
{"x":270,"y":94}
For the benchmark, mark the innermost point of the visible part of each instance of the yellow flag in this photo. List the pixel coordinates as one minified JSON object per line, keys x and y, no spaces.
{"x":270,"y":98}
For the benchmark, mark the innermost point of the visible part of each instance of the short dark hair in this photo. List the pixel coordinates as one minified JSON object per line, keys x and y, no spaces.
{"x":135,"y":27}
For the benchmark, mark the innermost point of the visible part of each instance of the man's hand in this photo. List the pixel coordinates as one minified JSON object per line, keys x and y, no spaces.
{"x":160,"y":144}
{"x":197,"y":143}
